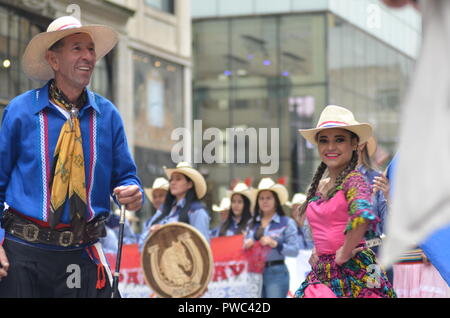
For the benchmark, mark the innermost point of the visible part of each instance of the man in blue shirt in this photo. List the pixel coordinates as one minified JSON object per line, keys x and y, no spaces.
{"x":63,"y":153}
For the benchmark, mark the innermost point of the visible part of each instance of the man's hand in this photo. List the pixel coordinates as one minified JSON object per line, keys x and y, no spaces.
{"x":131,"y":196}
{"x":381,"y":183}
{"x":4,"y":263}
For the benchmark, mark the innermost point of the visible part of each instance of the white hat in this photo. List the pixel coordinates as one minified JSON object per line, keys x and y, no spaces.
{"x":298,"y":198}
{"x":34,"y":62}
{"x":225,"y":204}
{"x":338,"y":117}
{"x":196,"y":177}
{"x":279,"y":189}
{"x":159,"y":183}
{"x":243,"y":189}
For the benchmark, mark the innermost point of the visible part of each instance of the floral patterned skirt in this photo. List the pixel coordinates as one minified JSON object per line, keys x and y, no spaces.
{"x":359,"y":277}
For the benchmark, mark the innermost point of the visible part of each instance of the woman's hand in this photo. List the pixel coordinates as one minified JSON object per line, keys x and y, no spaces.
{"x":248,"y":243}
{"x":343,"y":257}
{"x":268,"y":241}
{"x":313,"y":259}
{"x":155,"y":228}
{"x":381,"y":183}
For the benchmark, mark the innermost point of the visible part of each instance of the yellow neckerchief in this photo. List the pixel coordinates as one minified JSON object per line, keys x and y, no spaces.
{"x":68,"y":177}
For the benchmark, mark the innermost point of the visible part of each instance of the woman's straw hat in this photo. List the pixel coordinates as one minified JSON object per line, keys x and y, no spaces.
{"x":196,"y":177}
{"x":159,"y":183}
{"x":338,"y":117}
{"x":34,"y":62}
{"x":371,"y":146}
{"x":243,"y":189}
{"x":279,"y":189}
{"x":298,"y":198}
{"x":225,"y":204}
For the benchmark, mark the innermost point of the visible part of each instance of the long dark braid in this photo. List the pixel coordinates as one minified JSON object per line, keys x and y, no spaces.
{"x":350,"y":167}
{"x":313,"y":187}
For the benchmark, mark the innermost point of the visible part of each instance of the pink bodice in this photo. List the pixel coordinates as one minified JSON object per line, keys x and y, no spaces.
{"x":328,"y":220}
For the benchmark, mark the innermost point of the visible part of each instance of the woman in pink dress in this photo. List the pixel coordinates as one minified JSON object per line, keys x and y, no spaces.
{"x":339,"y":211}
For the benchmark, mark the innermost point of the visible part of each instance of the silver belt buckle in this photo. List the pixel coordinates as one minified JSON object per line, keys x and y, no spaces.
{"x":373,"y":242}
{"x":30,"y":232}
{"x":65,"y":241}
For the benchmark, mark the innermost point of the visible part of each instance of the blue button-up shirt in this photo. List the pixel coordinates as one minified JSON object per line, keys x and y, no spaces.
{"x":304,"y":236}
{"x":233,"y":229}
{"x":379,"y":201}
{"x":28,"y":136}
{"x":283,"y":229}
{"x":198,"y":218}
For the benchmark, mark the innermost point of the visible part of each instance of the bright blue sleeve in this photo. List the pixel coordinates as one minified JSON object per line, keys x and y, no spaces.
{"x":288,"y":243}
{"x":8,"y":152}
{"x":200,"y":220}
{"x":124,"y":170}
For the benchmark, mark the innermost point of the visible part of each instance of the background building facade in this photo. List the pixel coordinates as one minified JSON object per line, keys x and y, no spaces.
{"x":279,"y":63}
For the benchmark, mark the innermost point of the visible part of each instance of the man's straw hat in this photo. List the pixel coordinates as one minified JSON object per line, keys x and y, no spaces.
{"x":34,"y":62}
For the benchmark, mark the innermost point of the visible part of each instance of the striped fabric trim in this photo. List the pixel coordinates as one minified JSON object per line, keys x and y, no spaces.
{"x":98,"y":251}
{"x":92,"y":161}
{"x":412,"y":256}
{"x":69,"y":26}
{"x":45,"y":162}
{"x":332,"y":124}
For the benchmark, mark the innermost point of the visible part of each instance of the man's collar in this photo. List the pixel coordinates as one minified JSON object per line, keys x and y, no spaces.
{"x":42,"y":101}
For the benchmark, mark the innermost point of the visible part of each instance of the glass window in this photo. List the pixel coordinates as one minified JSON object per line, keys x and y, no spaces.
{"x":158,"y":92}
{"x":368,"y":77}
{"x":211,"y":44}
{"x":253,"y":55}
{"x":15,"y":33}
{"x":163,"y":5}
{"x":250,"y":73}
{"x":302,"y":48}
{"x":102,"y":77}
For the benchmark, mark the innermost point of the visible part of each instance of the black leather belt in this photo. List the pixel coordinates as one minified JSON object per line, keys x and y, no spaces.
{"x":272,"y":263}
{"x":33,"y":233}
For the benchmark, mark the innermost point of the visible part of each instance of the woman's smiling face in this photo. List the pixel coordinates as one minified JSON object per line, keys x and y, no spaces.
{"x":335,"y":147}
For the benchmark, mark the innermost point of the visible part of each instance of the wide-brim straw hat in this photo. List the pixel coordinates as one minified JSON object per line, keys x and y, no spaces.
{"x":298,"y":198}
{"x":371,"y":146}
{"x":158,"y":184}
{"x":196,"y":177}
{"x":224,"y":205}
{"x":243,"y":189}
{"x":279,"y":189}
{"x":338,"y":117}
{"x":34,"y":62}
